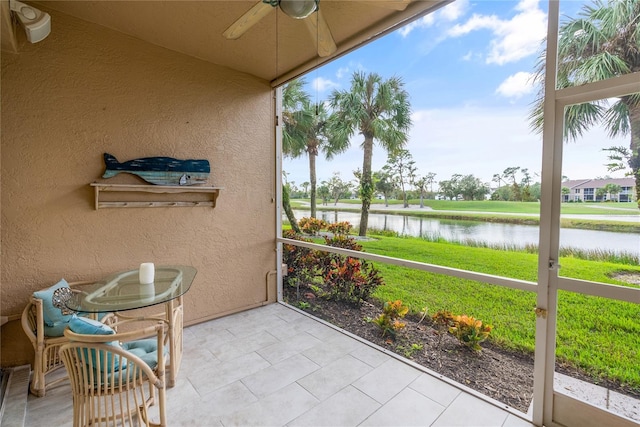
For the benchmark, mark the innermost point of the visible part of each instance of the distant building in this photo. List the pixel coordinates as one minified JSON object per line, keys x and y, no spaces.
{"x":586,"y":190}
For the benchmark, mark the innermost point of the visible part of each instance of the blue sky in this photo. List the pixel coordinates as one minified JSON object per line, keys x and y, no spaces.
{"x":466,"y":68}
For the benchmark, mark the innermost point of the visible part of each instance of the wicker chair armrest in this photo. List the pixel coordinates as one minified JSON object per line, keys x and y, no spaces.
{"x":120,"y":336}
{"x":28,"y":321}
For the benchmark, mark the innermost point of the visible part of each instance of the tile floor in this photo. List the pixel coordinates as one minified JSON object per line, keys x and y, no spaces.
{"x":273,"y":366}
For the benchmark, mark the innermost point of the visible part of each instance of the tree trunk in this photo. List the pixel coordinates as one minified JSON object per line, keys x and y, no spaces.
{"x":366,"y":185}
{"x":312,"y":178}
{"x":287,"y":209}
{"x":634,"y":161}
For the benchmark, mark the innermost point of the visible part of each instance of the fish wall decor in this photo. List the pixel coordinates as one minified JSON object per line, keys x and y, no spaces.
{"x":160,"y":170}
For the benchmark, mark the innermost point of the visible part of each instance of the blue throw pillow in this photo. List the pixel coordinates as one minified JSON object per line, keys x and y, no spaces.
{"x":53,"y":299}
{"x":87,"y":326}
{"x":55,"y":331}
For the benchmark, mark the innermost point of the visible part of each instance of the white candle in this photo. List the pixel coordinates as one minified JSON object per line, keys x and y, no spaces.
{"x":147,"y":272}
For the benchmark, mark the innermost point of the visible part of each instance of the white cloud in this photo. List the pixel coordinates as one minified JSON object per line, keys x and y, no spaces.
{"x":470,"y":140}
{"x":347,"y":70}
{"x":513,"y":39}
{"x":473,"y":140}
{"x":342,"y":71}
{"x":449,"y":13}
{"x":475,"y":23}
{"x":424,"y":22}
{"x":454,"y":10}
{"x":517,"y":85}
{"x":321,"y":84}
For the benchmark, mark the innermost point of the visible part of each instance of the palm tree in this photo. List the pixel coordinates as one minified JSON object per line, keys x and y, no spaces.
{"x":286,"y":204}
{"x":305,"y":132}
{"x":293,"y":97}
{"x":377,"y":109}
{"x":603,"y":42}
{"x":305,"y":188}
{"x":421,"y":185}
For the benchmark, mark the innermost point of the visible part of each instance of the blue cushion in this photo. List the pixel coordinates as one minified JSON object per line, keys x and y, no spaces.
{"x":56,"y":330}
{"x":146,"y":349}
{"x":53,"y":308}
{"x":86,"y":326}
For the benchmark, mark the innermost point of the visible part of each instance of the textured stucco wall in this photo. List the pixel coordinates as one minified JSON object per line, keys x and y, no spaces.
{"x":86,"y":90}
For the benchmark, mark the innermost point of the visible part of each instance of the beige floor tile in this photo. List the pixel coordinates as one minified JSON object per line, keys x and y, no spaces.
{"x":277,"y":409}
{"x":284,"y":349}
{"x":407,"y":408}
{"x":213,"y":377}
{"x":347,"y":407}
{"x":435,"y":389}
{"x":273,"y":378}
{"x":467,"y":410}
{"x":387,"y":380}
{"x":335,"y":376}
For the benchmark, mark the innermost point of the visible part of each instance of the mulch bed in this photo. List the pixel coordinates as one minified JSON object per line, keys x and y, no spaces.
{"x":506,"y":376}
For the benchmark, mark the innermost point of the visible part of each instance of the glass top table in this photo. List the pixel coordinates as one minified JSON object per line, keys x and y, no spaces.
{"x":123,"y":290}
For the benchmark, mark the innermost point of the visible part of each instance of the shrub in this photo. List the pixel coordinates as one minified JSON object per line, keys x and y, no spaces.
{"x":351,"y":280}
{"x":442,"y":320}
{"x":341,"y":277}
{"x":339,"y":228}
{"x":342,"y":241}
{"x":311,"y":225}
{"x":301,"y":262}
{"x":347,"y":279}
{"x":389,"y":321}
{"x":470,"y":331}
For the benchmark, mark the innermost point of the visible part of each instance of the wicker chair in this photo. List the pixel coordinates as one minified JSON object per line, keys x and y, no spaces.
{"x":46,"y":348}
{"x":172,"y":316}
{"x":112,"y":385}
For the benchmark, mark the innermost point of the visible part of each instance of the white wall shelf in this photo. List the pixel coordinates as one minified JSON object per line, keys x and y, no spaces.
{"x":167,"y":196}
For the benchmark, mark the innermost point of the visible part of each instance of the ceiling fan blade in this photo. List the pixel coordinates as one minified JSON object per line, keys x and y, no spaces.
{"x":390,"y":4}
{"x":248,"y":20}
{"x":321,"y":34}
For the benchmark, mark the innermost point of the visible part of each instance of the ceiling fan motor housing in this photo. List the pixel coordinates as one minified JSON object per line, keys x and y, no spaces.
{"x":297,"y":9}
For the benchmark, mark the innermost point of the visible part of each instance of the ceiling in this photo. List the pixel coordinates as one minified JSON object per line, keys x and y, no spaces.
{"x":277,"y":48}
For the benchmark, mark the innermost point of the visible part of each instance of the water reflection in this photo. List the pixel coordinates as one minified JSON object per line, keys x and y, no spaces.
{"x":493,"y":233}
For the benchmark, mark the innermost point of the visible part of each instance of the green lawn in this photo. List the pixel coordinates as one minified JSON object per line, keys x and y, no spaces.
{"x":599,"y":335}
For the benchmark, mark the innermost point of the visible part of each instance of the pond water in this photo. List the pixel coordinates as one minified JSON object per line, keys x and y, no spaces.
{"x":493,"y":233}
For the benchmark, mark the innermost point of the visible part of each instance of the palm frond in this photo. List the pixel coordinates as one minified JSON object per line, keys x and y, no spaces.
{"x":616,"y":119}
{"x":579,"y":118}
{"x":601,"y":42}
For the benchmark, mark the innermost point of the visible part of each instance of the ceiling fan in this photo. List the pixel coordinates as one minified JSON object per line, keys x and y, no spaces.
{"x":300,"y":9}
